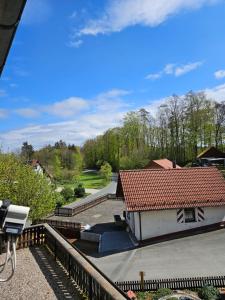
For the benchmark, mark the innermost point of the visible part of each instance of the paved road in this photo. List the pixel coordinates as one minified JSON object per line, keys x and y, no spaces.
{"x":199,"y":255}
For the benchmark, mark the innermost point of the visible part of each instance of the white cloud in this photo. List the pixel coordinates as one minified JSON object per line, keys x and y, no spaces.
{"x":3,"y":113}
{"x":219,"y":74}
{"x":27,"y":112}
{"x":106,"y":110}
{"x":217,"y":93}
{"x":173,"y":69}
{"x":67,"y":108}
{"x":3,"y":93}
{"x":119,"y":14}
{"x":187,"y":68}
{"x":74,"y":43}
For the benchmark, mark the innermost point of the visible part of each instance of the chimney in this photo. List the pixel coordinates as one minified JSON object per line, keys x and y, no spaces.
{"x":174,"y":164}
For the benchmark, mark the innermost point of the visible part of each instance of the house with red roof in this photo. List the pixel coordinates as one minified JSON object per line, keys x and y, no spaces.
{"x":164,"y":202}
{"x":162,"y":164}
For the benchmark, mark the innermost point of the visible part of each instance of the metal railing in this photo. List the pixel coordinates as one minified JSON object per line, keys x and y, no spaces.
{"x":173,"y":283}
{"x":93,"y":283}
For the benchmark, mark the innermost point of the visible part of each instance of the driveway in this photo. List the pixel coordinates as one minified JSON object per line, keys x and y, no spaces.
{"x":195,"y":256}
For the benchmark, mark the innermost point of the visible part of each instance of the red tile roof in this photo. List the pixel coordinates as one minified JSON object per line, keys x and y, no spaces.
{"x":162,"y":163}
{"x":150,"y":189}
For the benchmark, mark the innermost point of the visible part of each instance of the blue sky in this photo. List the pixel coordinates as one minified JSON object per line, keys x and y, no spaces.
{"x":76,"y":67}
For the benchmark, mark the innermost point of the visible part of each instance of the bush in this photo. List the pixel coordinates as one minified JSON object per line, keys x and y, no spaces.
{"x":67,"y":193}
{"x":145,"y":296}
{"x":79,"y":190}
{"x":60,"y":201}
{"x":161,"y":293}
{"x":208,"y":293}
{"x":172,"y":298}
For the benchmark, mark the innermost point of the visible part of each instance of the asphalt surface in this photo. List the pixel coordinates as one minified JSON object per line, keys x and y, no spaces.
{"x":194,"y":256}
{"x":98,"y":214}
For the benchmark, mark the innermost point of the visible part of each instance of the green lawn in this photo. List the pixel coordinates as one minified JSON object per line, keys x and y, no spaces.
{"x":92,"y":180}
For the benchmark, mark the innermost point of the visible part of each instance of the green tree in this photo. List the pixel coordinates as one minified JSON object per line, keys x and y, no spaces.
{"x":106,"y":171}
{"x":20,"y":184}
{"x":57,"y":169}
{"x":27,"y":151}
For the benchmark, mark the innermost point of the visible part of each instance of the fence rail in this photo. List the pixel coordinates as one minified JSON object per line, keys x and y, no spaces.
{"x":62,"y":224}
{"x":173,"y":283}
{"x":94,"y":284}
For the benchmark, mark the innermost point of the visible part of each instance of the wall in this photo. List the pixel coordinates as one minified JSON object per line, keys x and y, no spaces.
{"x":156,"y":223}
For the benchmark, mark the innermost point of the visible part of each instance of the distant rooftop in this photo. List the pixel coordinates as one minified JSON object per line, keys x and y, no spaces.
{"x":162,"y":164}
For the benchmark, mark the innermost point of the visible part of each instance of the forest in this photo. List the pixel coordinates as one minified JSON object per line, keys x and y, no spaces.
{"x":182,"y":127}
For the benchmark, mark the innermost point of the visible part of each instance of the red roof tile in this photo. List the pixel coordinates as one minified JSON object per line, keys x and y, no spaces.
{"x":162,"y":163}
{"x":150,"y":189}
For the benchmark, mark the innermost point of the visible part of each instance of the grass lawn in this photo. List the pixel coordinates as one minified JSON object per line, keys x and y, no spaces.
{"x":90,"y":180}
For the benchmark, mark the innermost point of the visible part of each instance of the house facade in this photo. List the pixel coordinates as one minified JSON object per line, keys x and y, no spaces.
{"x":164,"y":202}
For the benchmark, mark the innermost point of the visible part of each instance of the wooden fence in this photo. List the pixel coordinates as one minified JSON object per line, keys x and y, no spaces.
{"x":93,"y":283}
{"x":174,"y":283}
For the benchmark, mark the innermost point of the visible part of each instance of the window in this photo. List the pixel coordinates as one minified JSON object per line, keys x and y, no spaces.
{"x":189,"y":215}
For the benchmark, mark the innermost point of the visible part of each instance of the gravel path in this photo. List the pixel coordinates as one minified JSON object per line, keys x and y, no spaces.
{"x":37,"y":276}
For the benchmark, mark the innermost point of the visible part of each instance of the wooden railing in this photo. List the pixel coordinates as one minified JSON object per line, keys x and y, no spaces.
{"x":174,"y":283}
{"x":93,"y":283}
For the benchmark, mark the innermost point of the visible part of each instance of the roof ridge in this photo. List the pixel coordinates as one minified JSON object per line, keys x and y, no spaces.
{"x":173,"y":169}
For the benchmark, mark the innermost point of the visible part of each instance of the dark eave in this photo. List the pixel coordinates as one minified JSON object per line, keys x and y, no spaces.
{"x":10,"y":14}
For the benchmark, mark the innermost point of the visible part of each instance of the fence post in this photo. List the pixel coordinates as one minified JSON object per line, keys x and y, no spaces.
{"x":90,"y":291}
{"x":55,"y":249}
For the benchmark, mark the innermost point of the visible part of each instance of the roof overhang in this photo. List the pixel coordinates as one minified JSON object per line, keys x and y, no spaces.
{"x":10,"y":14}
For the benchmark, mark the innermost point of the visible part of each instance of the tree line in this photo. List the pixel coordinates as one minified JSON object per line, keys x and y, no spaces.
{"x":181,"y":128}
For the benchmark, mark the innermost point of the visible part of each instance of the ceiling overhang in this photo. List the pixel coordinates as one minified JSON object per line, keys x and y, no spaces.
{"x":10,"y":14}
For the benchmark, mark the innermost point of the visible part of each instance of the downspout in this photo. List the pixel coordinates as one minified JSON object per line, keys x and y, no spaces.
{"x":140,"y":225}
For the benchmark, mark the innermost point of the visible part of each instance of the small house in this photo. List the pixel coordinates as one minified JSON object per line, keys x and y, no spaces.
{"x":165,"y":202}
{"x":211,"y":156}
{"x":162,"y":164}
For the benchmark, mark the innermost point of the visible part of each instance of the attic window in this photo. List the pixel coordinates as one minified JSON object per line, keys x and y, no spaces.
{"x":189,"y":215}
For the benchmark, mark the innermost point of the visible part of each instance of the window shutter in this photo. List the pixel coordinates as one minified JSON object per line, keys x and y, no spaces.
{"x":200,"y":214}
{"x":180,"y":215}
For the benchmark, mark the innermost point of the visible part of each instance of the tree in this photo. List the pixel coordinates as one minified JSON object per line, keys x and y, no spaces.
{"x":57,"y":171}
{"x":20,"y":184}
{"x":106,"y":171}
{"x":27,"y":151}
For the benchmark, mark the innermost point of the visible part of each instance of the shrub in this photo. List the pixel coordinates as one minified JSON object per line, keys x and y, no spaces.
{"x":145,"y":296}
{"x":79,"y":190}
{"x":161,"y":293}
{"x":208,"y":293}
{"x":67,"y":193}
{"x":60,"y":201}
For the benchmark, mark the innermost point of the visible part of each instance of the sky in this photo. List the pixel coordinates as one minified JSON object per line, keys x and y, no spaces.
{"x":76,"y":67}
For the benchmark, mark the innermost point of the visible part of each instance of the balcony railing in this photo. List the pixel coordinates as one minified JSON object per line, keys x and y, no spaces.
{"x":93,"y":283}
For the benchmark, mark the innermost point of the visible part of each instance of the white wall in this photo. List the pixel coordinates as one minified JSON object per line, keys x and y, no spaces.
{"x":156,"y":223}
